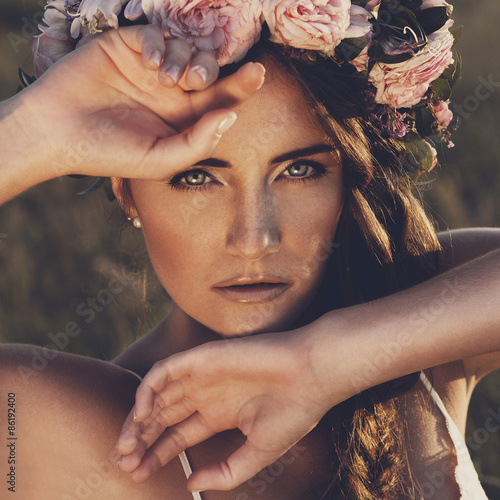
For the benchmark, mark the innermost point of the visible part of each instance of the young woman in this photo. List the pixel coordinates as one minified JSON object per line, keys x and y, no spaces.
{"x":315,"y":219}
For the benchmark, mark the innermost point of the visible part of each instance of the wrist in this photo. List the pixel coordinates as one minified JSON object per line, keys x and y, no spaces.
{"x":333,"y":346}
{"x":23,"y":147}
{"x":355,"y":349}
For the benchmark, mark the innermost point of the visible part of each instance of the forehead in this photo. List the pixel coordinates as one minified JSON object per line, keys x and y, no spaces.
{"x":274,"y":119}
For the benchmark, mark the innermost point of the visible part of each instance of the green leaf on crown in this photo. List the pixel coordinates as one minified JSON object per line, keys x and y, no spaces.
{"x":458,"y":69}
{"x":457,"y":34}
{"x":425,"y":120}
{"x":350,"y":48}
{"x":419,"y":155}
{"x":449,"y":72}
{"x":441,"y":88}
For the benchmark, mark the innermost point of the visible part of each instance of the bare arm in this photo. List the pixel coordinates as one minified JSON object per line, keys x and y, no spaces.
{"x":461,"y":246}
{"x":454,"y":316}
{"x":107,"y":109}
{"x":19,"y":151}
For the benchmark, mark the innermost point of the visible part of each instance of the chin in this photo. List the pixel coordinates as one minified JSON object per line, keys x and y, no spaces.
{"x":248,"y":327}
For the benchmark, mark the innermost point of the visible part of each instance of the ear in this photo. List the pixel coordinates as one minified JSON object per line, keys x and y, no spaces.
{"x":121,"y":189}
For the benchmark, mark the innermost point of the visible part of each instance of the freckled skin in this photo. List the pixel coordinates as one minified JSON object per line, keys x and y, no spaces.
{"x":256,"y":218}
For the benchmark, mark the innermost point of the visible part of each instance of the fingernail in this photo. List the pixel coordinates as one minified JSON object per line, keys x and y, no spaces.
{"x":201,"y":72}
{"x":174,"y":72}
{"x":156,"y":58}
{"x":227,"y":123}
{"x":135,"y":417}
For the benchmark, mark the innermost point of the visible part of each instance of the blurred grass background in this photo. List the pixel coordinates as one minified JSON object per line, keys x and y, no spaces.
{"x":59,"y":250}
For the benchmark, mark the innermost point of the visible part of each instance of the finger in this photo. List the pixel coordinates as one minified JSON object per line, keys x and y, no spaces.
{"x":156,"y":388}
{"x":129,"y":435}
{"x":186,"y":149}
{"x":170,"y":394}
{"x":203,"y":71}
{"x":177,"y":56}
{"x":164,"y":418}
{"x":175,"y":440}
{"x":242,"y":465}
{"x":130,"y":461}
{"x":229,"y":91}
{"x":152,"y":44}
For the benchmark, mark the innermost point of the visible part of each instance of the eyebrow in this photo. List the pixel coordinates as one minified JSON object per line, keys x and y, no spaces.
{"x":290,"y":155}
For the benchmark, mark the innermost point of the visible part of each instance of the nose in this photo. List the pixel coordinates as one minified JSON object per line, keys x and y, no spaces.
{"x":254,"y":232}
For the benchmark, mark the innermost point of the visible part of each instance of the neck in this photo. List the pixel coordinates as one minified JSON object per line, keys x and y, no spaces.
{"x":183,"y":332}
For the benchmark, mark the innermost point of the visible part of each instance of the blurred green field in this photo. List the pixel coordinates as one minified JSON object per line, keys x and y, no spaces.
{"x":58,"y":250}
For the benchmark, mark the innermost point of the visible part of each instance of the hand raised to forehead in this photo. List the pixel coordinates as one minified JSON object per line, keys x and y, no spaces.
{"x":121,"y":105}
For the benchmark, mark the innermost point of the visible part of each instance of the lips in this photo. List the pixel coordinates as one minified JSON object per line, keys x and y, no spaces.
{"x":259,"y":289}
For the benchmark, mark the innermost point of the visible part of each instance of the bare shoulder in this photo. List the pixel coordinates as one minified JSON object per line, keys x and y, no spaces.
{"x":67,"y":412}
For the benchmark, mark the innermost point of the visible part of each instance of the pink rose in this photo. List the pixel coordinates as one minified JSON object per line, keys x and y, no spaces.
{"x":55,"y":40}
{"x":361,"y":62}
{"x":403,"y":85}
{"x":227,"y":27}
{"x":308,"y":24}
{"x":443,"y":113}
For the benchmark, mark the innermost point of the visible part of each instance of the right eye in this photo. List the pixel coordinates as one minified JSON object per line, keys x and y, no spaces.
{"x":194,"y":179}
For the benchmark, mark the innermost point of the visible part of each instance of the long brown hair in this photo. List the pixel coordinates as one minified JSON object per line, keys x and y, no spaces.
{"x":385,"y":243}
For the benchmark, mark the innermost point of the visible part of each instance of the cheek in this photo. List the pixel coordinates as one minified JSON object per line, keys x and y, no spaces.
{"x":178,"y":235}
{"x":178,"y":254}
{"x":310,"y":226}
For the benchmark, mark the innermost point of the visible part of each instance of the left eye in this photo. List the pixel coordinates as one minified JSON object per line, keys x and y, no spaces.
{"x":299,"y":170}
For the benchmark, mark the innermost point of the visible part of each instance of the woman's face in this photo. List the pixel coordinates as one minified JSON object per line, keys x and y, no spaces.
{"x":241,"y":240}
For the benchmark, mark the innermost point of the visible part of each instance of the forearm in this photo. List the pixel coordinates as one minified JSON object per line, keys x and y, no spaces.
{"x":22,"y":149}
{"x":454,"y":316}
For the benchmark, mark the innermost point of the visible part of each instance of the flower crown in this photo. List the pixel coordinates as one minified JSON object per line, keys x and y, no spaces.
{"x":401,"y":48}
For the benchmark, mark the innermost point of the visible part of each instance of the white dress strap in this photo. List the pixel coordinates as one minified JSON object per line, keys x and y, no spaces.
{"x":188,"y":471}
{"x":465,"y":473}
